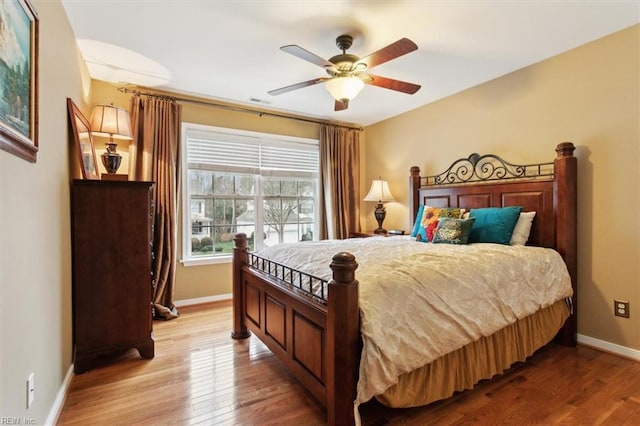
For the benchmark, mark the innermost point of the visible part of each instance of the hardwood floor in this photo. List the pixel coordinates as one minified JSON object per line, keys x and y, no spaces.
{"x":201,"y":376}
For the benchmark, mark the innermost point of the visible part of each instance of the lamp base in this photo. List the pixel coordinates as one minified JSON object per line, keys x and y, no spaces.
{"x":380,"y":214}
{"x":111,"y":159}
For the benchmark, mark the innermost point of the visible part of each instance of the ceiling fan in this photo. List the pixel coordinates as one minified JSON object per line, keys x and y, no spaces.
{"x":348,"y":73}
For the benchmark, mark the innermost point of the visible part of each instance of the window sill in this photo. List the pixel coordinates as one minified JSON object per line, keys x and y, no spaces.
{"x":206,"y":261}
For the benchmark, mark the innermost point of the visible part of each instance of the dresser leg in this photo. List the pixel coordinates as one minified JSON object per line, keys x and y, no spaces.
{"x":146,"y":349}
{"x":81,"y":364}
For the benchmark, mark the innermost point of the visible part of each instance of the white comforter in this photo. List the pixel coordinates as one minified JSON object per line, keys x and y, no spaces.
{"x":419,"y":301}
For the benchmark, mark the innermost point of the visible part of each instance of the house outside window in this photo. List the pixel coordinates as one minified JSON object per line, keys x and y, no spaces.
{"x":263,"y":185}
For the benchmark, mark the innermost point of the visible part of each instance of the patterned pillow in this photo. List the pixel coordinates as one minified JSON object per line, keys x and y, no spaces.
{"x":430,"y":218}
{"x":453,"y":231}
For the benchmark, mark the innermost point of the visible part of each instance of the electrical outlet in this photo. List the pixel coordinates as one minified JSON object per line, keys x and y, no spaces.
{"x":31,"y":390}
{"x":621,"y":308}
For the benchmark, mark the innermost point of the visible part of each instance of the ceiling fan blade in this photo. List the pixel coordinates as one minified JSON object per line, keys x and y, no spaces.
{"x":296,"y":86}
{"x":389,"y":83}
{"x":301,"y":53}
{"x":341,"y":105}
{"x":392,"y":51}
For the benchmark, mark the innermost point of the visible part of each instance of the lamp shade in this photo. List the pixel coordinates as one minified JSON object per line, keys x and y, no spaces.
{"x":112,"y":121}
{"x":379,"y":192}
{"x":342,"y":88}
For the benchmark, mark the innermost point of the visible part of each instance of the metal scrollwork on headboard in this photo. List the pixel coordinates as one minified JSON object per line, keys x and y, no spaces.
{"x":489,"y":167}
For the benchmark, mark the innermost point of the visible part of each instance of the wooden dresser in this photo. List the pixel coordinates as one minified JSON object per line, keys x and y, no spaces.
{"x":111,"y":231}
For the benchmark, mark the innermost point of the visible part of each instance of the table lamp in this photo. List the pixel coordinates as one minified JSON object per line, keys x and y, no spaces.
{"x":114,"y":122}
{"x":380,"y":193}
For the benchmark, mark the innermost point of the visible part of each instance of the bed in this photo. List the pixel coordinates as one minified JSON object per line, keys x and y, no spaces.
{"x":315,"y":322}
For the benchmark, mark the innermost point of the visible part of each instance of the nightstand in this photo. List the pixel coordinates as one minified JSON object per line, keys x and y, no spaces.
{"x":362,"y":234}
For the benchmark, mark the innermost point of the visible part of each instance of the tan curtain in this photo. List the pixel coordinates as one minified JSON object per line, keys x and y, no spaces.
{"x":155,"y":156}
{"x":340,"y":181}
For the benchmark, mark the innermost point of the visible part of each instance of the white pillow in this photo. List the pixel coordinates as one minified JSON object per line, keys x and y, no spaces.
{"x":522,"y":229}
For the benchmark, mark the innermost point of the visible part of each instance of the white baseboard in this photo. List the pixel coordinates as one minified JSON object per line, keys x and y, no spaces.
{"x":613,"y":348}
{"x":56,"y":408}
{"x":200,"y":300}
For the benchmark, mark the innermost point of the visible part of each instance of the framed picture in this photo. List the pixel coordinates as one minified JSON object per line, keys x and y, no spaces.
{"x":19,"y":79}
{"x":83,"y":142}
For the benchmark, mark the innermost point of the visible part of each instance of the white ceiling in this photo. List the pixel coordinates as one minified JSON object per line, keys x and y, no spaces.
{"x":229,"y":50}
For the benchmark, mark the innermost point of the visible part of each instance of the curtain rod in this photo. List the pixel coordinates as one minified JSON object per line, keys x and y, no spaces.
{"x":236,"y":108}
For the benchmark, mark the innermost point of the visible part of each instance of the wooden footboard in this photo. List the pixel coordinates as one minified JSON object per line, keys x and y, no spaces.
{"x":319,"y":343}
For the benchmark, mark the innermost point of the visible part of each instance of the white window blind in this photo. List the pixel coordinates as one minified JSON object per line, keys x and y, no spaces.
{"x":218,"y":150}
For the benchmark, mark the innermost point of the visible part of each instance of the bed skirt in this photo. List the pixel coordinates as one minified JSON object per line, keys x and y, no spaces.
{"x":482,"y":359}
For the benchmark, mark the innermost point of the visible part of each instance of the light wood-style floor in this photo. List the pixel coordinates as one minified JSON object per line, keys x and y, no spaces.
{"x":201,"y":376}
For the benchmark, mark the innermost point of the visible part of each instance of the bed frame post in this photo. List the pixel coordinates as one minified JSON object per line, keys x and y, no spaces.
{"x":239,"y":260}
{"x":566,"y":187}
{"x":414,"y":193}
{"x":343,"y":340}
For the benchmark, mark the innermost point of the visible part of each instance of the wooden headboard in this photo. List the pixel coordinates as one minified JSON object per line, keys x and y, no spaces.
{"x":549,"y":189}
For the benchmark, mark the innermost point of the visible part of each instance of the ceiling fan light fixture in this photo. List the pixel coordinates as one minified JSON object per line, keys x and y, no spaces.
{"x":342,"y":88}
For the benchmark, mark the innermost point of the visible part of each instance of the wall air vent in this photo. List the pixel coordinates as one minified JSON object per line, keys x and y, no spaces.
{"x":259,"y":101}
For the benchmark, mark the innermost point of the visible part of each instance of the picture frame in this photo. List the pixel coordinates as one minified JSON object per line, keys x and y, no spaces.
{"x":83,"y":141}
{"x":19,"y":79}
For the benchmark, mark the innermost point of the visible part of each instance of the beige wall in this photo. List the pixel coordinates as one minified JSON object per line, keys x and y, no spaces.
{"x":35,"y":252}
{"x":590,"y":96}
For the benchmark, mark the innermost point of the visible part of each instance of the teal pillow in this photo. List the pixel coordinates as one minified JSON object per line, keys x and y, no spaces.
{"x":416,"y":224}
{"x":494,"y":224}
{"x":453,"y":231}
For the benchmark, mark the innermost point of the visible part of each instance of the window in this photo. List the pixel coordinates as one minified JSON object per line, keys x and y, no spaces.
{"x":237,"y":181}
